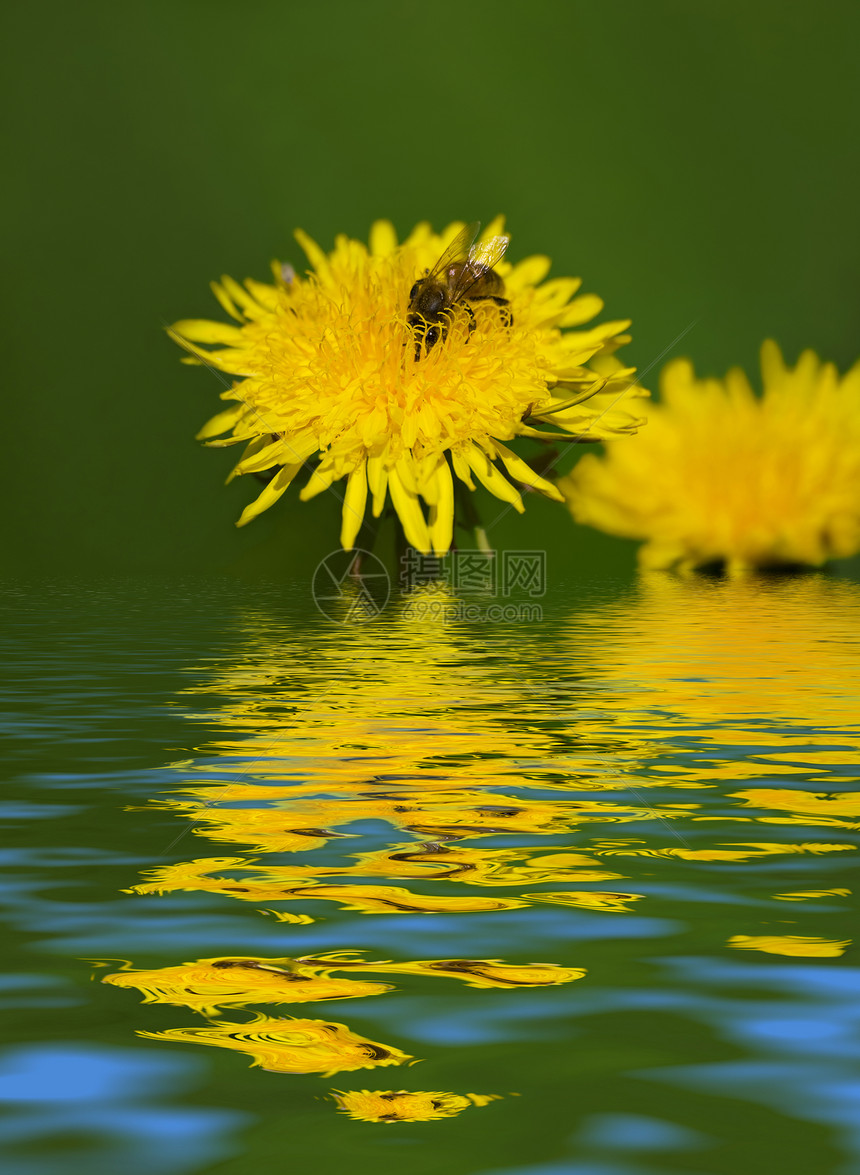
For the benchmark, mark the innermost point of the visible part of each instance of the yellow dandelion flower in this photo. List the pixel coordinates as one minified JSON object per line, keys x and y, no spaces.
{"x":721,"y":475}
{"x":338,"y":367}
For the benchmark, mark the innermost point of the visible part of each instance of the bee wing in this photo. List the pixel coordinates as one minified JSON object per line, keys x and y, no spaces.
{"x":487,"y":254}
{"x":482,"y":256}
{"x":459,"y":249}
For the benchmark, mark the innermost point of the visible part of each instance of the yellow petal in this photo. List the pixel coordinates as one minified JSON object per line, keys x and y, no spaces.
{"x":259,"y":459}
{"x":528,"y":272}
{"x":240,"y":296}
{"x":409,"y":511}
{"x":383,"y":238}
{"x":581,"y":309}
{"x":225,"y":301}
{"x":772,"y":363}
{"x":377,"y":479}
{"x":314,"y":253}
{"x":320,"y":480}
{"x":201,"y":330}
{"x":441,"y":524}
{"x":461,"y":468}
{"x":266,"y":295}
{"x":222,"y":422}
{"x":524,"y":473}
{"x":271,"y":493}
{"x":354,"y":503}
{"x":495,"y":228}
{"x":489,"y":476}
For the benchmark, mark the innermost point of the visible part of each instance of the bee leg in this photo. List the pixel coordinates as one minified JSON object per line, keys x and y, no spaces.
{"x":426,"y":338}
{"x":504,"y":307}
{"x":425,"y":334}
{"x":471,"y":314}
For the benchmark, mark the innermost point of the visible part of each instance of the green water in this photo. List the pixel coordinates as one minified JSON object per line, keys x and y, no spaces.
{"x":654,"y":784}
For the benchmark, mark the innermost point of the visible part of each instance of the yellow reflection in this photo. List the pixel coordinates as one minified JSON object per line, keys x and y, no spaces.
{"x":366,"y":1105}
{"x":808,"y":895}
{"x":829,"y":809}
{"x":741,"y":690}
{"x":708,"y":650}
{"x":291,"y":1045}
{"x":426,"y":810}
{"x":473,"y":972}
{"x":211,"y":984}
{"x":420,"y":736}
{"x":486,"y":972}
{"x":427,"y":861}
{"x":607,"y":903}
{"x":404,"y":726}
{"x":790,"y":944}
{"x":739,"y":851}
{"x":750,"y":681}
{"x":283,"y":884}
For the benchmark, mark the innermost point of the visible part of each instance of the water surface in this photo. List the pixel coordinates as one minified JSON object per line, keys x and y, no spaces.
{"x":570,"y":895}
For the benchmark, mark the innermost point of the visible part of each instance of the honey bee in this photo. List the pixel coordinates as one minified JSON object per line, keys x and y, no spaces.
{"x":463,"y":274}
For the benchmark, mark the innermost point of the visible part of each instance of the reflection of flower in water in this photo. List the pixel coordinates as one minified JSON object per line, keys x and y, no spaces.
{"x":739,"y":663}
{"x":700,"y":654}
{"x":747,"y":690}
{"x":414,"y":735}
{"x":485,"y":973}
{"x":410,"y":706}
{"x":741,"y":692}
{"x":436,"y":810}
{"x":210,"y":984}
{"x":291,"y":1045}
{"x":411,"y":734}
{"x":811,"y":895}
{"x":790,"y":944}
{"x":278,"y":884}
{"x":284,"y":883}
{"x":836,"y":809}
{"x":607,"y":903}
{"x":367,"y":1105}
{"x":737,"y":851}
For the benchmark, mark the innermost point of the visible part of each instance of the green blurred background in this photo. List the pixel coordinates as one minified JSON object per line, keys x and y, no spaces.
{"x":693,"y":162}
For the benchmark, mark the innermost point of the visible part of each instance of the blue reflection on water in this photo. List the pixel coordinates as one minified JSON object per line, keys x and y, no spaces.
{"x":637,"y":1132}
{"x":111,"y":1102}
{"x":822,"y":1093}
